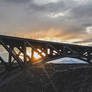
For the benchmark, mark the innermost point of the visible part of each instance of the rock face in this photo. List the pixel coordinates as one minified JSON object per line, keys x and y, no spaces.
{"x":51,"y":78}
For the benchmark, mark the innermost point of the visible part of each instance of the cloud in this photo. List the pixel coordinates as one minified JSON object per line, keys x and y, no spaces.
{"x":87,"y":42}
{"x":56,"y":15}
{"x":41,"y":2}
{"x":89,"y":29}
{"x":16,"y":1}
{"x":70,"y":17}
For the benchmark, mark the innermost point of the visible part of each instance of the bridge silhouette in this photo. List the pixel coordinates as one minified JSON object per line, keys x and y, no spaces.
{"x":21,"y":53}
{"x":45,"y":49}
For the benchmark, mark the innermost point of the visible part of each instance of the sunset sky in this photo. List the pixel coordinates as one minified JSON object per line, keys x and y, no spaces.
{"x":57,"y":20}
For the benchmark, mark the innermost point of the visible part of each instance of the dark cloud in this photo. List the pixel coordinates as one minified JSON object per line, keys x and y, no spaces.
{"x":83,"y":11}
{"x":83,"y":14}
{"x":74,"y":22}
{"x":36,"y":16}
{"x":47,"y":8}
{"x":16,"y":1}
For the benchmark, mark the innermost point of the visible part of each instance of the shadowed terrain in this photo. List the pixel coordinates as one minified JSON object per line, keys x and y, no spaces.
{"x":49,"y":78}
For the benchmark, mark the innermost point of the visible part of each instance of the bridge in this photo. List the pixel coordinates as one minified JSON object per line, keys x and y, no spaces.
{"x":25,"y":51}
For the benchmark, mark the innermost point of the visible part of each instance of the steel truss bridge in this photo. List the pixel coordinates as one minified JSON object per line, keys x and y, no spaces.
{"x":46,"y":50}
{"x":21,"y":53}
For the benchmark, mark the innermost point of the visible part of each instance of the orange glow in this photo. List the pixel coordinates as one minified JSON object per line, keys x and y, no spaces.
{"x":39,"y":50}
{"x":53,"y":39}
{"x":52,"y":34}
{"x":29,"y":51}
{"x":36,"y":56}
{"x":21,"y":56}
{"x":43,"y":54}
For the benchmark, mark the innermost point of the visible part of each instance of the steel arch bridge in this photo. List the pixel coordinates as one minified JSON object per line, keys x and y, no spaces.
{"x":46,"y":50}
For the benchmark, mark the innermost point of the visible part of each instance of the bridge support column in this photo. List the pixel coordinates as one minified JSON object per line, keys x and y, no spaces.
{"x":10,"y":56}
{"x":24,"y":52}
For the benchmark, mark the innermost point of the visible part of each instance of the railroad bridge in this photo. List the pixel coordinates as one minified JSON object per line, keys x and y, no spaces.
{"x":31,"y":51}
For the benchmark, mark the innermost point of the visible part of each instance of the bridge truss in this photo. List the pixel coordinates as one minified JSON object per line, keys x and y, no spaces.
{"x":17,"y":51}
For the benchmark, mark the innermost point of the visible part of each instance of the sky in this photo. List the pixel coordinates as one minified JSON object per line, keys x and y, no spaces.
{"x":58,"y":20}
